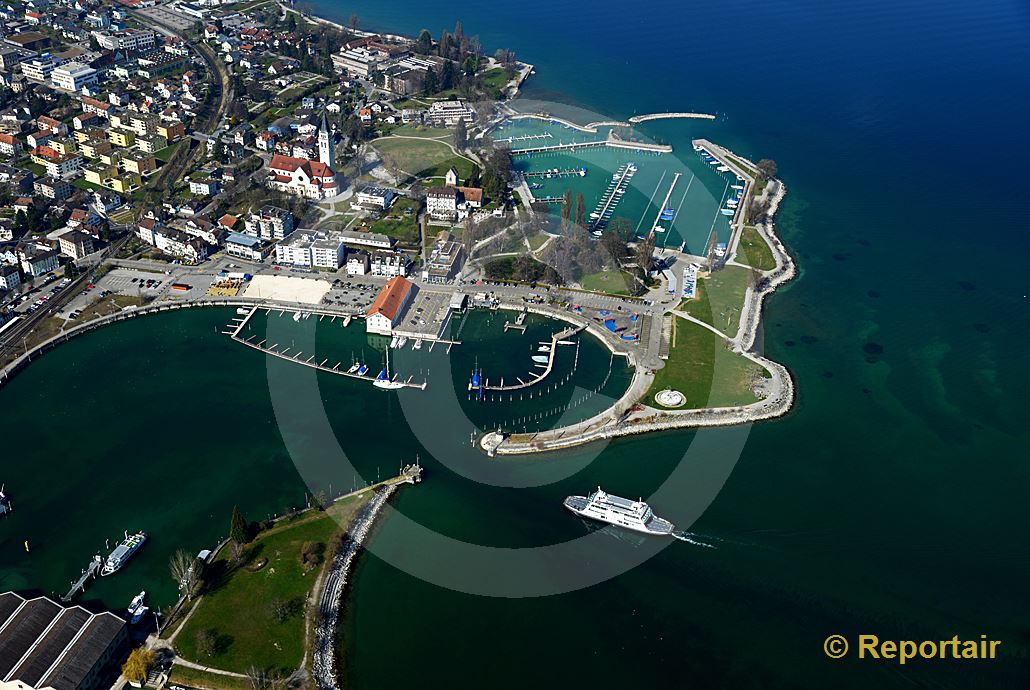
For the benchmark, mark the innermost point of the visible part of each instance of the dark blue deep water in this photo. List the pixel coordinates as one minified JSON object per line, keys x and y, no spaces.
{"x":892,"y":500}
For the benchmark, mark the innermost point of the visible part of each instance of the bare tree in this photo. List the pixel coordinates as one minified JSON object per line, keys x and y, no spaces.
{"x":183,"y":568}
{"x":207,"y":644}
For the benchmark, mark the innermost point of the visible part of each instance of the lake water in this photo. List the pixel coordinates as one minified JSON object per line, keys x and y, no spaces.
{"x":891,"y":501}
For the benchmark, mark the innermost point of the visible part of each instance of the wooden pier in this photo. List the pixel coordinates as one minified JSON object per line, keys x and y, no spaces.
{"x":298,"y":357}
{"x":519,"y":325}
{"x":665,"y":204}
{"x":602,"y":214}
{"x":88,"y":574}
{"x":521,"y":385}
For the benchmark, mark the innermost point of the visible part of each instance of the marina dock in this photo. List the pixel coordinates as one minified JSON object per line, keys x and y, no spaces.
{"x":521,"y":385}
{"x":88,"y":575}
{"x":611,"y":140}
{"x":746,"y":177}
{"x":612,"y":196}
{"x":298,"y":357}
{"x":665,"y":204}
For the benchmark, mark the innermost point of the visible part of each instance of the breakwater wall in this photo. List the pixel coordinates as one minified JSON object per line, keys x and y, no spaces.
{"x":323,"y":663}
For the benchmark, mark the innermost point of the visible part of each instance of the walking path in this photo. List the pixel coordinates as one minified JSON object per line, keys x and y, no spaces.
{"x":626,"y":418}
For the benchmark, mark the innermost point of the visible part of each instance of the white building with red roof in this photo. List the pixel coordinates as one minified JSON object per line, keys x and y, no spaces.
{"x":303,"y":177}
{"x":388,"y":308}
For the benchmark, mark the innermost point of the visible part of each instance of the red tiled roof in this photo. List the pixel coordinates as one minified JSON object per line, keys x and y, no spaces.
{"x":391,"y":299}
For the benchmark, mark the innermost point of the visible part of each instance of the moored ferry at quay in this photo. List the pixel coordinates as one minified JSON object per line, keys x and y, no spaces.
{"x":622,"y":512}
{"x":123,"y":552}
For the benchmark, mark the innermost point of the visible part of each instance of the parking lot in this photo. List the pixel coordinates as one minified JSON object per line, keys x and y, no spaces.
{"x":354,"y":294}
{"x":425,"y":316}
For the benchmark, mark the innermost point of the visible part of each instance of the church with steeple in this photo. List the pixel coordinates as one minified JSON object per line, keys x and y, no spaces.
{"x":326,"y":152}
{"x":307,"y":178}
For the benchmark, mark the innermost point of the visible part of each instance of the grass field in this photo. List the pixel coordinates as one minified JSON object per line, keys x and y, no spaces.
{"x":195,"y":678}
{"x":538,"y":240}
{"x":423,"y":132}
{"x":720,"y":298}
{"x":702,"y":368}
{"x":755,"y":251}
{"x":237,"y":611}
{"x":422,"y":157}
{"x":398,"y":225}
{"x":612,"y":282}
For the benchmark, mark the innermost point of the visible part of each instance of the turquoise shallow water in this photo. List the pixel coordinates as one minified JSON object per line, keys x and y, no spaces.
{"x":890,"y":501}
{"x":696,"y":199}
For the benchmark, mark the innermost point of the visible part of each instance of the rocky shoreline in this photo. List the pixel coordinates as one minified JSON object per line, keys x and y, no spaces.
{"x":323,"y":663}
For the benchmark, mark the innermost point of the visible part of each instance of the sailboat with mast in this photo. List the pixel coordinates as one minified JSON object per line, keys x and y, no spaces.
{"x":384,"y":379}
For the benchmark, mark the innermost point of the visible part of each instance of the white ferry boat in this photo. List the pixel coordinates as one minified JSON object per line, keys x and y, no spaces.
{"x":123,"y":552}
{"x":622,"y":512}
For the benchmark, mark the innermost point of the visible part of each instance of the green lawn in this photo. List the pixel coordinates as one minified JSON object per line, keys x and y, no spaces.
{"x":423,"y":132}
{"x":720,"y":298}
{"x":422,"y":157}
{"x":167,"y":152}
{"x":754,"y":250}
{"x":195,"y":678}
{"x":702,"y":368}
{"x":83,"y":183}
{"x":237,"y":610}
{"x":398,"y":225}
{"x":612,"y":282}
{"x":537,"y":240}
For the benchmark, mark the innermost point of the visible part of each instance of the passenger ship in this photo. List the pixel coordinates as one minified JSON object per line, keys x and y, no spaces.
{"x":123,"y":552}
{"x":622,"y":512}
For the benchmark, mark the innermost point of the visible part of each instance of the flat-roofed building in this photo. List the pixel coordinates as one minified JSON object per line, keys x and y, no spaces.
{"x":73,"y":76}
{"x":311,"y":249}
{"x":367,"y":239}
{"x":246,"y":247}
{"x":376,"y":197}
{"x":270,"y":223}
{"x":40,"y":68}
{"x":447,"y":113}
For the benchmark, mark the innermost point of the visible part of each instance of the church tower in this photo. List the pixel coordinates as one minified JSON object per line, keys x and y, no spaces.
{"x":325,"y":145}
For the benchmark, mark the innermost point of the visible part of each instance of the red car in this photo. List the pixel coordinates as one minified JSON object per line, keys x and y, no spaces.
{"x":90,"y":286}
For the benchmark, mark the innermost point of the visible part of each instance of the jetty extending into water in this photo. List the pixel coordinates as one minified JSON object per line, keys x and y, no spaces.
{"x":556,"y":340}
{"x":298,"y":357}
{"x":89,"y":573}
{"x":592,"y":126}
{"x":612,"y":140}
{"x":665,"y":204}
{"x":636,"y":119}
